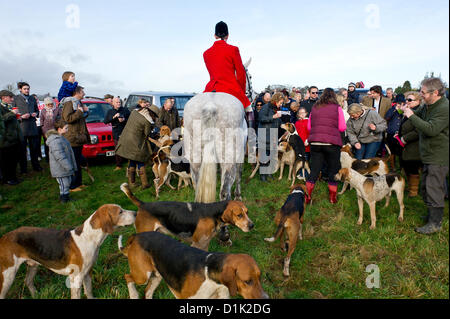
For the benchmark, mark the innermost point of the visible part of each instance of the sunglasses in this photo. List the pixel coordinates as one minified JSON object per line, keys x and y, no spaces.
{"x":314,"y":92}
{"x":410,"y":100}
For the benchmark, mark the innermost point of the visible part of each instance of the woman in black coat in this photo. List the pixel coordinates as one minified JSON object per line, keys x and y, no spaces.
{"x":269,"y":119}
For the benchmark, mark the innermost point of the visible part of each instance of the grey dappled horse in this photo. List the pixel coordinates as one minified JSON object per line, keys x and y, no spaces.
{"x":215,"y":132}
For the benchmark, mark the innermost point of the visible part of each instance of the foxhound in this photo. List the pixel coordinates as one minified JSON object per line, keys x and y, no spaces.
{"x":70,"y":253}
{"x":297,"y":145}
{"x":189,"y":272}
{"x":196,"y":223}
{"x":164,"y":165}
{"x":373,"y":166}
{"x":289,"y":220}
{"x":374,"y":189}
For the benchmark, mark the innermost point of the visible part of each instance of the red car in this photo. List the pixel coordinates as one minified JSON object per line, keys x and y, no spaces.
{"x":102,"y":143}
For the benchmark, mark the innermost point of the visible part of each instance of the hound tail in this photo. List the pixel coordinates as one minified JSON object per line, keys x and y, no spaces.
{"x":124,"y":250}
{"x":126,"y":189}
{"x":279,"y":230}
{"x":389,"y":154}
{"x":207,"y":181}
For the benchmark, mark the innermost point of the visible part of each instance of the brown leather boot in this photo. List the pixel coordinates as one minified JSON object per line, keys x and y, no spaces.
{"x":413,"y":185}
{"x":143,"y":176}
{"x":131,"y":176}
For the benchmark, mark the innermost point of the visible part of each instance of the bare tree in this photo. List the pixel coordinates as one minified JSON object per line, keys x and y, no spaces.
{"x":11,"y":87}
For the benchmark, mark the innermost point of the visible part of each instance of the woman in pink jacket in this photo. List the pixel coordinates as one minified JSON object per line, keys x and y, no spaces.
{"x":326,"y":122}
{"x":48,"y":116}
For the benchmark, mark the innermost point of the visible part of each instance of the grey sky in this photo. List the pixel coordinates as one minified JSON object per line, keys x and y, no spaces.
{"x":119,"y":47}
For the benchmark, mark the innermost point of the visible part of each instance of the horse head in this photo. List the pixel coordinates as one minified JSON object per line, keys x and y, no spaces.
{"x":249,"y":92}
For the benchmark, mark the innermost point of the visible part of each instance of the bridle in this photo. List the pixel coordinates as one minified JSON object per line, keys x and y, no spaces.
{"x":250,"y":91}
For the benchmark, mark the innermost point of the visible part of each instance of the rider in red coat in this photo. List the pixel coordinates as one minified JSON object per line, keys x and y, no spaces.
{"x":225,"y":67}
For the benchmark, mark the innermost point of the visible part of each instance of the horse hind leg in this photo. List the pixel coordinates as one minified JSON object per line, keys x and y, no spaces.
{"x":228,"y":177}
{"x":237,"y":191}
{"x":195,"y":171}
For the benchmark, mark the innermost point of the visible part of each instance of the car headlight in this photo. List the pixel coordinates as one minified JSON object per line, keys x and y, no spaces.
{"x":94,"y":139}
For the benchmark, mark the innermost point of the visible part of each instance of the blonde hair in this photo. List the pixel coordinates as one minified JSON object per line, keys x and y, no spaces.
{"x":355,"y":108}
{"x":277,"y":97}
{"x":341,"y":99}
{"x":66,"y":75}
{"x":416,"y":95}
{"x":142,"y":101}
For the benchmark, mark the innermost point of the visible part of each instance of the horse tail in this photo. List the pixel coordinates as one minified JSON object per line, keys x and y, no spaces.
{"x":206,"y":186}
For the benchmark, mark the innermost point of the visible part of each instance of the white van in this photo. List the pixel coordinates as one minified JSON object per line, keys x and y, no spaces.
{"x":158,"y":98}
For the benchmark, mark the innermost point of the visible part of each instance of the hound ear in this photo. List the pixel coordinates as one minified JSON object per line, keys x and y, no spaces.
{"x":229,"y":278}
{"x":247,"y":63}
{"x":305,"y":190}
{"x":291,"y":128}
{"x":345,"y":174}
{"x":102,"y":219}
{"x":227,"y":216}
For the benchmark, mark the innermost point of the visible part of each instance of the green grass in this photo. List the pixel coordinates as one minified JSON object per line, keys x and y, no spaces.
{"x":330,"y":261}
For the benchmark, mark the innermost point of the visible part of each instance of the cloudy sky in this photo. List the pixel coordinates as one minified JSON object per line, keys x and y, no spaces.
{"x":122,"y":46}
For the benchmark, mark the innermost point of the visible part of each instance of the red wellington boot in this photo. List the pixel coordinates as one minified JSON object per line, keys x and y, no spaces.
{"x":332,"y":193}
{"x":309,"y":188}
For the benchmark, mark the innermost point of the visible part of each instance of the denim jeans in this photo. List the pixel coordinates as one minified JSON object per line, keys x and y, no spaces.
{"x":368,"y":150}
{"x":136,"y":164}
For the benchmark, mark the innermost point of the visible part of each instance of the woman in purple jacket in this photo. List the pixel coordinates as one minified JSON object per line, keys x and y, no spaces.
{"x":326,"y":121}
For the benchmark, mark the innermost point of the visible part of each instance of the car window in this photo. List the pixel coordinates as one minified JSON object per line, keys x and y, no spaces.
{"x":180,"y":101}
{"x":133,"y":100}
{"x":97,"y":112}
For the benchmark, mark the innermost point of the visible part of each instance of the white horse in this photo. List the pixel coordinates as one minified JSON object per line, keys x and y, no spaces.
{"x":215,"y":131}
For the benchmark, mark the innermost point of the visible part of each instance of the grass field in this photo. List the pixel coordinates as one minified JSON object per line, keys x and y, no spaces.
{"x":330,"y":261}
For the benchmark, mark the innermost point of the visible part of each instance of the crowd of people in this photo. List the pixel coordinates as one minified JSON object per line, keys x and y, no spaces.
{"x":24,"y":122}
{"x":413,"y":125}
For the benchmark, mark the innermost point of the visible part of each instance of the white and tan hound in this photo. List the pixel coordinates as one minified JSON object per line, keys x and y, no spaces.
{"x":374,"y":189}
{"x":188,"y":272}
{"x":164,"y":165}
{"x":372,"y":166}
{"x":70,"y":253}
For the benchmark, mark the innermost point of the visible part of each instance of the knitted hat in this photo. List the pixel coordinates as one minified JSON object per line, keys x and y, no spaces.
{"x":48,"y":100}
{"x":221,"y":29}
{"x":352,"y":84}
{"x":400,"y":98}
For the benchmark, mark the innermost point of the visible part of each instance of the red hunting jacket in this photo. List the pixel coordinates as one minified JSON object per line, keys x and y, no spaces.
{"x":226,"y":71}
